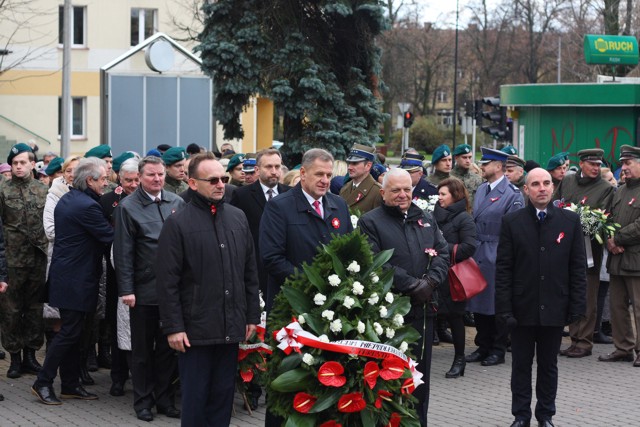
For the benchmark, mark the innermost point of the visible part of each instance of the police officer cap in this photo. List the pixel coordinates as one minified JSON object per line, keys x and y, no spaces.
{"x":235,"y":161}
{"x":361,"y":153}
{"x":55,"y":165}
{"x":118,"y":161}
{"x":510,"y":150}
{"x":249,"y":164}
{"x":628,"y":152}
{"x":514,"y":160}
{"x":440,"y":153}
{"x":462,"y":149}
{"x":490,"y":155}
{"x":411,"y":161}
{"x":594,"y":155}
{"x":20,"y":147}
{"x":174,"y":155}
{"x":556,"y":161}
{"x":101,"y":151}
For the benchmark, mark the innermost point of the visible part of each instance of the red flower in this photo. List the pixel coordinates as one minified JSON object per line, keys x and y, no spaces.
{"x":394,"y":421}
{"x":329,"y":374}
{"x":408,"y":386}
{"x":331,"y":424}
{"x":114,"y":204}
{"x":335,"y":222}
{"x":118,"y":190}
{"x":352,"y":402}
{"x":392,"y":369}
{"x":213,"y":209}
{"x":303,"y":402}
{"x":247,"y":375}
{"x":382,"y":395}
{"x":371,"y":374}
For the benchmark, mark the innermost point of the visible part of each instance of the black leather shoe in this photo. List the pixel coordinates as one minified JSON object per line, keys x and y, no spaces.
{"x":92,"y":360}
{"x":600,"y":338}
{"x":169,"y":411}
{"x":545,"y":423}
{"x":45,"y":394}
{"x":492,"y":360}
{"x":445,"y":336}
{"x":117,"y":389}
{"x":2,"y":355}
{"x":78,"y":393}
{"x":1,"y":397}
{"x":85,"y":378}
{"x":144,"y":415}
{"x":436,"y":339}
{"x":29,"y":363}
{"x":15,"y":368}
{"x":520,"y":423}
{"x":476,"y":356}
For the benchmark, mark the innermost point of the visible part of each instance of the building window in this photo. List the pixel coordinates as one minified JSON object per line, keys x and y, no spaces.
{"x":143,"y":24}
{"x":78,"y":114}
{"x":441,"y":97}
{"x":78,"y":26}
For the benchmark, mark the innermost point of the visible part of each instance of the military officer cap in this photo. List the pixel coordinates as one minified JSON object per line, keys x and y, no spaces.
{"x":411,"y":161}
{"x":491,"y":155}
{"x":174,"y":155}
{"x":377,"y":170}
{"x":594,"y":155}
{"x":118,"y":161}
{"x":462,"y":149}
{"x":101,"y":151}
{"x":510,"y":150}
{"x":361,"y":153}
{"x":55,"y":165}
{"x":556,"y":161}
{"x":235,"y":161}
{"x":514,"y":160}
{"x":20,"y":147}
{"x":440,"y":153}
{"x":249,"y":164}
{"x":628,"y":152}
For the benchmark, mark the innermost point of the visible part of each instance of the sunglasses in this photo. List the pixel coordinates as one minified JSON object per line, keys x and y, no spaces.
{"x":215,"y":180}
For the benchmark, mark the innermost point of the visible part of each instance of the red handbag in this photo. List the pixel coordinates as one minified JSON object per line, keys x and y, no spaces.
{"x":465,"y":278}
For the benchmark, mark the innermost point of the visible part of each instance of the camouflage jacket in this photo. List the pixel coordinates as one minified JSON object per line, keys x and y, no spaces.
{"x":471,"y":180}
{"x":174,"y":186}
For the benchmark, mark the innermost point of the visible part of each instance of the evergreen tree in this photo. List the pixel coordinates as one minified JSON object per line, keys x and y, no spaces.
{"x":317,"y":60}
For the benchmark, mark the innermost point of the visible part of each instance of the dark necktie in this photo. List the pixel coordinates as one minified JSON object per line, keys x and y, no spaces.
{"x":270,"y":194}
{"x":157,"y":201}
{"x":316,"y":206}
{"x":542,"y":215}
{"x":488,"y":189}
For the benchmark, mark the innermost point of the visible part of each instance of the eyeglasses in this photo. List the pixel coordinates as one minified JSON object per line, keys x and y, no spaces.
{"x":215,"y":180}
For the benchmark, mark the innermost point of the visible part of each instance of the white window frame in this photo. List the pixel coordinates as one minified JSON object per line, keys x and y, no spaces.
{"x":84,"y":26}
{"x":141,"y":22}
{"x":82,"y":135}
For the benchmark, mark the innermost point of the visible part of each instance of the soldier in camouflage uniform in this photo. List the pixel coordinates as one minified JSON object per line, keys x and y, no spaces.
{"x":175,"y":159}
{"x":22,"y":200}
{"x":463,"y":158}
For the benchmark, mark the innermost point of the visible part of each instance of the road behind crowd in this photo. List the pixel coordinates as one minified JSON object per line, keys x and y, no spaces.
{"x":590,"y":394}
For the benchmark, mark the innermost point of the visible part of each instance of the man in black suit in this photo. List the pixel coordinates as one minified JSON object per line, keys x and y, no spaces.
{"x":540,"y":287}
{"x":252,"y":198}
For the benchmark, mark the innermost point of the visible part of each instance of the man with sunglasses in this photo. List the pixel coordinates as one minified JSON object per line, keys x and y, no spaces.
{"x":208,"y":293}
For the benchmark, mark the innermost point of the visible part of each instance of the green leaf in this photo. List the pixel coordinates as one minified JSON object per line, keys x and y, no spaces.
{"x":400,"y":305}
{"x":387,"y":281}
{"x":316,"y":324}
{"x":599,"y":239}
{"x":406,"y":333}
{"x":290,"y":381}
{"x":299,"y":301}
{"x":370,"y":334}
{"x":296,"y":419}
{"x":368,"y":417}
{"x":338,"y":267}
{"x":290,"y":362}
{"x":314,"y":278}
{"x":379,"y":260}
{"x":327,"y":400}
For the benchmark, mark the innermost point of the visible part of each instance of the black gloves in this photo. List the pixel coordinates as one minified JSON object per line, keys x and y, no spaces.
{"x":509,"y":321}
{"x":422,"y":290}
{"x":572,"y":318}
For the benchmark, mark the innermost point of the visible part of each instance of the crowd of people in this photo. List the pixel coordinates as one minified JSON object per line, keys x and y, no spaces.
{"x":158,"y":261}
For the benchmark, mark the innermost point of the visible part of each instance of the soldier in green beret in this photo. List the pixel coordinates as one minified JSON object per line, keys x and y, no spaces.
{"x":441,"y":163}
{"x":463,"y":157}
{"x":103,"y":151}
{"x":510,"y":150}
{"x":22,"y":200}
{"x":557,"y":168}
{"x":54,"y":168}
{"x":234,"y":169}
{"x":118,"y":161}
{"x":175,"y":158}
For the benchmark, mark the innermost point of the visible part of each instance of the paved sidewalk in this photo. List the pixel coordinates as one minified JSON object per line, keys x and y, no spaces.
{"x":591,"y":394}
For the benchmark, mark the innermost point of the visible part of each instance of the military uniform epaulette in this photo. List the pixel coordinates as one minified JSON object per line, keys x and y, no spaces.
{"x":514,"y":188}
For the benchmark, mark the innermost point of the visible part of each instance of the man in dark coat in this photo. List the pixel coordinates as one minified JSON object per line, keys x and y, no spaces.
{"x":402,"y":226}
{"x":540,"y":288}
{"x":82,"y":233}
{"x":207,"y":293}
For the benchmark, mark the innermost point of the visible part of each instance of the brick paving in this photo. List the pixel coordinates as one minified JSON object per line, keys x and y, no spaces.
{"x":591,"y":394}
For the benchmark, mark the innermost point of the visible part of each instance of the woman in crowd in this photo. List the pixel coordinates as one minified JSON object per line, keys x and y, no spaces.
{"x":453,"y":217}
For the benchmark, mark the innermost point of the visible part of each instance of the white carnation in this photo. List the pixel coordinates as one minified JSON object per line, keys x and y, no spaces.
{"x":301,"y":319}
{"x":373,"y":299}
{"x":403,"y":346}
{"x":378,"y":328}
{"x":262,"y":303}
{"x":328,"y":314}
{"x":336,"y":326}
{"x":334,"y":280}
{"x":388,"y":297}
{"x":319,"y":299}
{"x":374,"y":278}
{"x":390,"y":332}
{"x":354,"y":221}
{"x":383,"y":311}
{"x":348,"y":302}
{"x":358,"y":289}
{"x":398,"y":320}
{"x":308,"y":359}
{"x":360,"y":327}
{"x":323,"y":338}
{"x":354,"y":267}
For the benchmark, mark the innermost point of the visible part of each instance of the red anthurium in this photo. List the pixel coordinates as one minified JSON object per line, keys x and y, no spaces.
{"x":394,"y":421}
{"x":329,"y":374}
{"x":352,"y":402}
{"x":382,"y":395}
{"x":371,"y":373}
{"x":247,"y":375}
{"x":303,"y":402}
{"x":392,"y":369}
{"x":408,"y":386}
{"x":331,"y":424}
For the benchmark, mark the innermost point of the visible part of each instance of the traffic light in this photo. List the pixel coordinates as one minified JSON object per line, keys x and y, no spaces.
{"x":497,"y":117}
{"x":408,"y":119}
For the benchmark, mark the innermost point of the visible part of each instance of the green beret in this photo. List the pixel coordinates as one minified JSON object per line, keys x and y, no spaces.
{"x":555,"y":161}
{"x":20,"y":147}
{"x":235,"y":161}
{"x":101,"y":151}
{"x":55,"y":165}
{"x":174,"y":155}
{"x":462,"y":149}
{"x":118,"y":161}
{"x":439,"y":153}
{"x":510,"y":150}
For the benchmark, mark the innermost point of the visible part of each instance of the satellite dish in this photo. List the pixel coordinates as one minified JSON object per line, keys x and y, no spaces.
{"x":159,"y":56}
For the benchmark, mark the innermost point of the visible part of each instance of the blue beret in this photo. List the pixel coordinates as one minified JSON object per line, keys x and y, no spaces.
{"x":439,"y":153}
{"x":462,"y":149}
{"x":20,"y":147}
{"x":101,"y":151}
{"x":55,"y":165}
{"x":235,"y":161}
{"x":174,"y":155}
{"x":154,"y":152}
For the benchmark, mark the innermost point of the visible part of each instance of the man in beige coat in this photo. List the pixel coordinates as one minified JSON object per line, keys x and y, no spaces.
{"x":362,"y":192}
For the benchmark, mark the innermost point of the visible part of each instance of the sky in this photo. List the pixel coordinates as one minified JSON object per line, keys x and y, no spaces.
{"x":443,"y":12}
